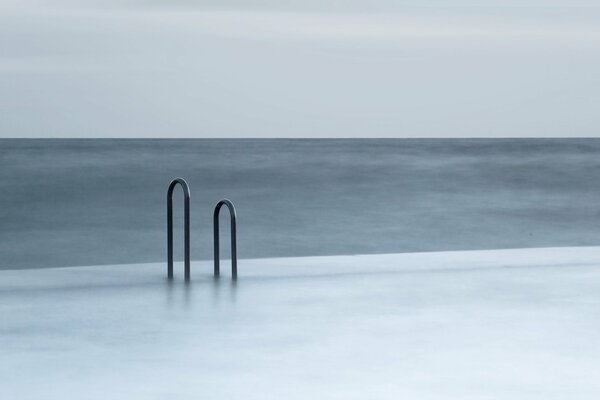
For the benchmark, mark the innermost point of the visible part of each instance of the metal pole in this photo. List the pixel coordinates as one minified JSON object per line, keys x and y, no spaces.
{"x":233,"y":218}
{"x":186,"y":228}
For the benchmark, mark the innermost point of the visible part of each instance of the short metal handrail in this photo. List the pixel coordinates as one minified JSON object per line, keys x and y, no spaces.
{"x":233,"y":216}
{"x":186,"y":228}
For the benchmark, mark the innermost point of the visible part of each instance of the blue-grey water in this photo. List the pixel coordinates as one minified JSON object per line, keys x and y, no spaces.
{"x":88,"y":202}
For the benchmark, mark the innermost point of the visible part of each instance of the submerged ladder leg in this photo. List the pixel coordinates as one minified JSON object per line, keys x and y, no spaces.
{"x":186,"y":228}
{"x":233,"y":217}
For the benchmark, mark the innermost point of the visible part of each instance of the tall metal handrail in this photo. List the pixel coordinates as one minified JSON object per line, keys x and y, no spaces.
{"x":233,"y":216}
{"x":186,"y":228}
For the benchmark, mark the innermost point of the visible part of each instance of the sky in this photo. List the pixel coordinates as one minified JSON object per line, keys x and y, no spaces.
{"x":269,"y":68}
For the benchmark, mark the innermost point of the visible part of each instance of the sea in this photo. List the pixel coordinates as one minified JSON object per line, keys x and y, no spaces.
{"x":77,"y":202}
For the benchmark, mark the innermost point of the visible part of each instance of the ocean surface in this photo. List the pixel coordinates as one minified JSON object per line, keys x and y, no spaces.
{"x":94,"y":202}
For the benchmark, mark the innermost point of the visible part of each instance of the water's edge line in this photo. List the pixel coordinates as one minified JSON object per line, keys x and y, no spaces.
{"x":590,"y":256}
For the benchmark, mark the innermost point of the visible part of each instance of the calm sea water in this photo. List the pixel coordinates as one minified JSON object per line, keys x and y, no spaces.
{"x":87,"y":202}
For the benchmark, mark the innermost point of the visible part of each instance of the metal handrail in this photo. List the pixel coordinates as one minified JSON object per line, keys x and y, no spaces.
{"x":233,"y":215}
{"x":186,"y":228}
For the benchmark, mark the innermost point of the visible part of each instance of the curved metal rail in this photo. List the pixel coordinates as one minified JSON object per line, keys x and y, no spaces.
{"x":233,"y":215}
{"x":186,"y":228}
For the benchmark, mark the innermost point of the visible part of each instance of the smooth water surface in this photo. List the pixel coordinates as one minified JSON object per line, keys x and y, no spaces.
{"x":514,"y":324}
{"x":91,"y":202}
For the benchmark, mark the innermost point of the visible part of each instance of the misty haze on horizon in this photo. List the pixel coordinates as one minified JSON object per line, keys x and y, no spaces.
{"x":299,"y":69}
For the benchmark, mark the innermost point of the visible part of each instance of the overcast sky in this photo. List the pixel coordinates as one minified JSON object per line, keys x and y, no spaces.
{"x":304,"y":69}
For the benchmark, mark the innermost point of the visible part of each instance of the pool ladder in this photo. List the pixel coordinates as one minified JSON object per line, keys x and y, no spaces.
{"x":186,"y":231}
{"x":233,"y":218}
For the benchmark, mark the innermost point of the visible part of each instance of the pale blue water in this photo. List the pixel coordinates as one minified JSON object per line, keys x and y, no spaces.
{"x":86,"y":202}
